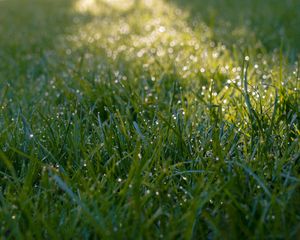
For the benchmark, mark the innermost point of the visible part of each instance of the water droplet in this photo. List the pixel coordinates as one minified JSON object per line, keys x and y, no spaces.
{"x":162,"y":29}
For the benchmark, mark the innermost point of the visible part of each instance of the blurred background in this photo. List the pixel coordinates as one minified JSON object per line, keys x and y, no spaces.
{"x":274,"y":22}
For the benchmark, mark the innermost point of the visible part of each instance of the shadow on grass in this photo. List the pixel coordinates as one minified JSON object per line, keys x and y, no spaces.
{"x":32,"y":23}
{"x":30,"y":31}
{"x":273,"y":22}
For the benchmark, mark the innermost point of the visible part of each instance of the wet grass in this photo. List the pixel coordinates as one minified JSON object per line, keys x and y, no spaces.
{"x":133,"y":119}
{"x":235,"y":23}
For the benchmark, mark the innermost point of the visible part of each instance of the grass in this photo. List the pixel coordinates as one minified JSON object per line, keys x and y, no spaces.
{"x":149,"y":119}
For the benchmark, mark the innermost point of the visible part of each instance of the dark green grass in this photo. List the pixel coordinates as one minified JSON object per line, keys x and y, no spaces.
{"x":275,"y":24}
{"x":111,"y":129}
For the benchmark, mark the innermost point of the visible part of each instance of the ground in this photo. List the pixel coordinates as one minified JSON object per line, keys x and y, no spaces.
{"x":146,"y":119}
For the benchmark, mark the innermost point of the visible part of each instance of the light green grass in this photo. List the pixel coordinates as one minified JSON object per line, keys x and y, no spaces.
{"x":149,"y":119}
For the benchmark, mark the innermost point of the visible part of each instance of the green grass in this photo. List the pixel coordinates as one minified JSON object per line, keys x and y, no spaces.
{"x":149,"y":119}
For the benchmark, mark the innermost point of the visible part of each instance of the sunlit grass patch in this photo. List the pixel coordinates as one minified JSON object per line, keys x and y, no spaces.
{"x":163,"y":43}
{"x":96,"y":6}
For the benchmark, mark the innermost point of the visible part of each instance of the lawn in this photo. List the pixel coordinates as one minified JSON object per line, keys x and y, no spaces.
{"x":149,"y":119}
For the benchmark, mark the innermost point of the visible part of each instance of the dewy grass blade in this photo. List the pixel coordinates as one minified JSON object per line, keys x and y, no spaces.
{"x":257,"y":179}
{"x":63,"y":186}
